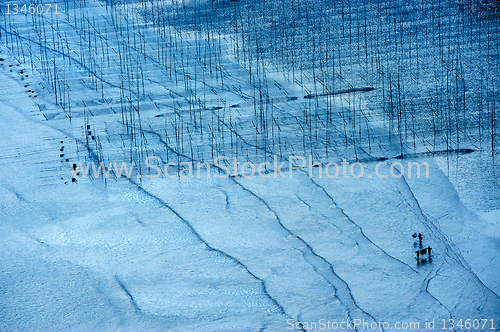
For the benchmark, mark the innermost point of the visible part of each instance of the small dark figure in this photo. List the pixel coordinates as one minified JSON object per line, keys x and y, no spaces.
{"x":415,"y":243}
{"x":420,"y":237}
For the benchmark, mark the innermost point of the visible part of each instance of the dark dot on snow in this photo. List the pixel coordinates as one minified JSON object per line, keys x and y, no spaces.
{"x":10,"y":65}
{"x":61,"y":155}
{"x":67,"y":159}
{"x":78,"y":173}
{"x":62,"y":149}
{"x":61,"y":141}
{"x":17,"y":65}
{"x":73,"y":180}
{"x":32,"y":91}
{"x":26,"y":75}
{"x":26,"y":86}
{"x":1,"y":59}
{"x":35,"y":96}
{"x":73,"y":166}
{"x":29,"y":90}
{"x":93,"y":137}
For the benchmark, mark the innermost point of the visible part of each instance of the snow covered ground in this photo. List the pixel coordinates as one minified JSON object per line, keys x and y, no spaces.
{"x":230,"y":254}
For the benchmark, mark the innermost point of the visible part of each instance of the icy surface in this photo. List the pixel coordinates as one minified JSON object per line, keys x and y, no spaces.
{"x":231,"y":254}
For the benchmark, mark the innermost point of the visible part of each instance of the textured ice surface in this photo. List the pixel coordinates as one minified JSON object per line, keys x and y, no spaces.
{"x":218,"y":254}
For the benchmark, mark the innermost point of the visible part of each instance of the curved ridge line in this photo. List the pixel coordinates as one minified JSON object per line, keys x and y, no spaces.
{"x":458,"y":257}
{"x":359,"y":228}
{"x":312,"y":252}
{"x":209,"y":247}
